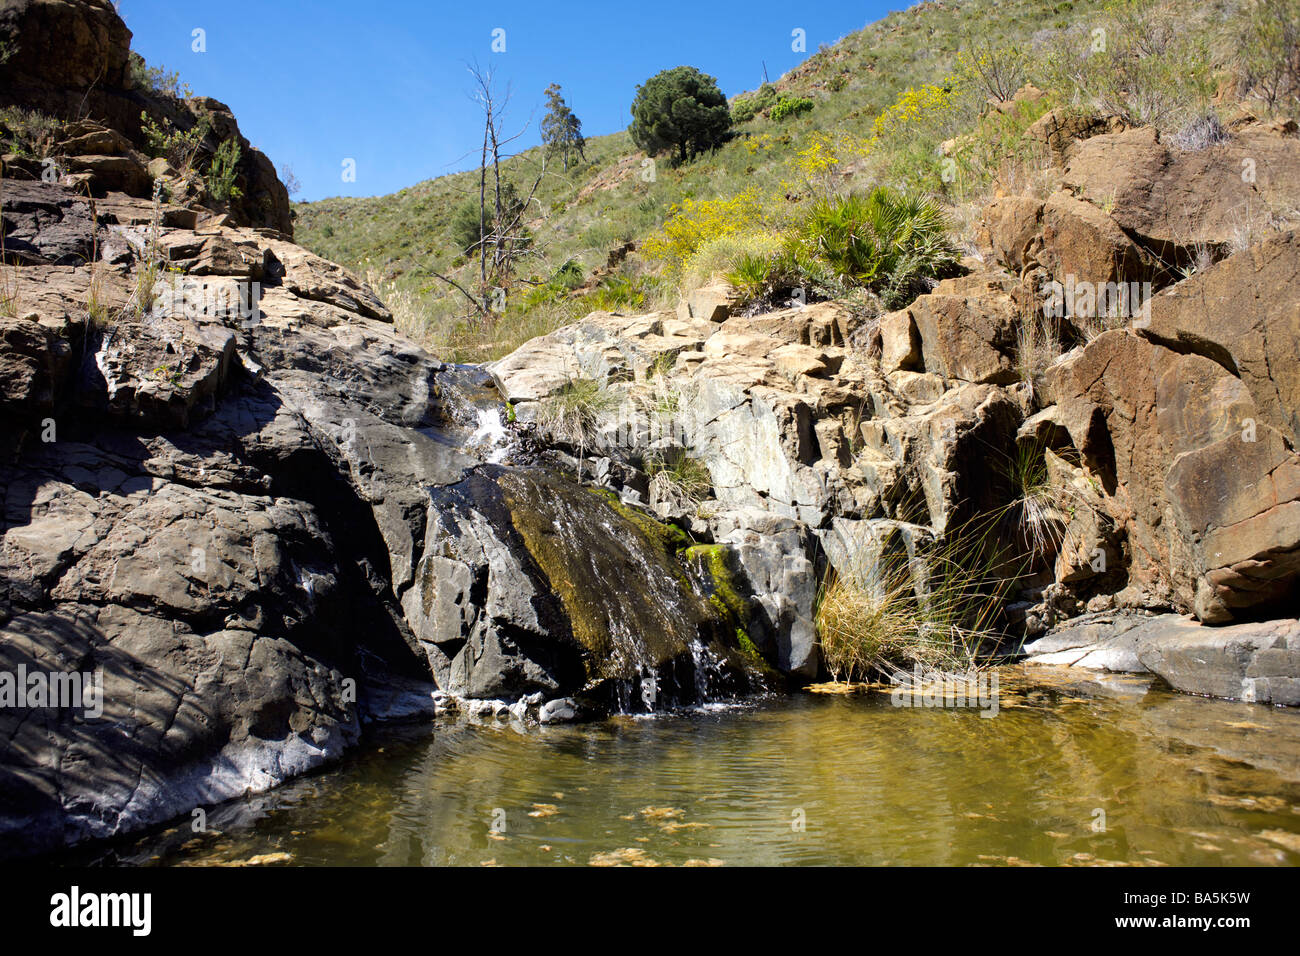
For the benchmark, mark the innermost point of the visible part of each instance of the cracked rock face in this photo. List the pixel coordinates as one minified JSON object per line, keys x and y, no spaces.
{"x":250,"y":514}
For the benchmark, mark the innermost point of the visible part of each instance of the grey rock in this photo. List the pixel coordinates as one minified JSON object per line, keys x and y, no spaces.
{"x":558,"y":711}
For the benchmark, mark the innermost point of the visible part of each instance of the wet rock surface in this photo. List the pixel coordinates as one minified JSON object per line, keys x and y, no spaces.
{"x":260,"y":520}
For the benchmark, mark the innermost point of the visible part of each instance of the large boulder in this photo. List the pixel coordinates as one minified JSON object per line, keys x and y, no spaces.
{"x":1011,"y":230}
{"x":1256,"y":661}
{"x":967,"y":329}
{"x":1170,"y":199}
{"x":1205,"y":493}
{"x":1244,"y":314}
{"x":512,"y":597}
{"x":1081,"y":243}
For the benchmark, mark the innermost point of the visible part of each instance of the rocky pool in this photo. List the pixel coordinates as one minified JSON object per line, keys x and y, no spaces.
{"x":1071,"y":770}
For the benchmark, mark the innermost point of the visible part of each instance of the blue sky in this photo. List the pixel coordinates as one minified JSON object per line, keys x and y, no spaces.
{"x":384,"y":82}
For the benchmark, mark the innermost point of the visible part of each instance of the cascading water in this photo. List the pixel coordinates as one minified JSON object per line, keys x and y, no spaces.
{"x":571,"y":581}
{"x":490,"y":438}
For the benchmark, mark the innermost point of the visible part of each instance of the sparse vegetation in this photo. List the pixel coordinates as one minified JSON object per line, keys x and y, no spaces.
{"x":149,"y":265}
{"x":927,"y":603}
{"x":156,"y":78}
{"x":575,"y":412}
{"x":678,"y":479}
{"x":901,"y":104}
{"x":28,"y":133}
{"x":1038,"y":346}
{"x":223,"y":171}
{"x":179,"y":147}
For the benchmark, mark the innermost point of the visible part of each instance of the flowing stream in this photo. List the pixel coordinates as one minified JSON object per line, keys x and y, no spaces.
{"x":1069,"y":771}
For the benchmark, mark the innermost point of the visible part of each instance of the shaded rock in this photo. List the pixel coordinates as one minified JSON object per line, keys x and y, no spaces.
{"x":45,"y":224}
{"x":1011,"y":229}
{"x":33,"y":362}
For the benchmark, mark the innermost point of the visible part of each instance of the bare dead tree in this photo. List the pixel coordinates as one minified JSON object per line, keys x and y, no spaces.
{"x":500,"y":221}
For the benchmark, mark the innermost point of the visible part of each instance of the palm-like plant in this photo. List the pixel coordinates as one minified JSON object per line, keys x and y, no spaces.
{"x":887,"y":240}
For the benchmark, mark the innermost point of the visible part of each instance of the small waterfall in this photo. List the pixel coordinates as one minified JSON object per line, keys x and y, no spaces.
{"x":491,"y":437}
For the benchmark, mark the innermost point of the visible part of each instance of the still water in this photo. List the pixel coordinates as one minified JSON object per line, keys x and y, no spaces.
{"x":1070,"y":771}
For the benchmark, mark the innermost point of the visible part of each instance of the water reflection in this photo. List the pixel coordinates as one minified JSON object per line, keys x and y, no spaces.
{"x":812,"y":779}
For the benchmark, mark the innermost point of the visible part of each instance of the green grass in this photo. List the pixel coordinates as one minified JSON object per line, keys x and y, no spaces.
{"x":574,"y":413}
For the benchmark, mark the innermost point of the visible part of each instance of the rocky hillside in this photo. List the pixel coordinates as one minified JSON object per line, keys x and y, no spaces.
{"x":257,"y":516}
{"x":252,"y":513}
{"x":1149,"y":469}
{"x":69,"y":94}
{"x":590,"y":212}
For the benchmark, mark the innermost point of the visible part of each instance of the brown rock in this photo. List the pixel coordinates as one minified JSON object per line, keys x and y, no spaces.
{"x":95,"y":140}
{"x":1081,"y":240}
{"x":1060,"y":128}
{"x":1208,"y":500}
{"x":1244,"y":313}
{"x":1170,"y":200}
{"x":1011,"y":229}
{"x":966,"y":327}
{"x":107,"y":174}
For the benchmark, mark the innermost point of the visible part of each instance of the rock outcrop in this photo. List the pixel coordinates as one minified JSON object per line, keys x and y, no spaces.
{"x":1166,"y":434}
{"x":1253,"y":662}
{"x":254,"y":510}
{"x":72,"y":62}
{"x":250,"y":516}
{"x":256,"y":517}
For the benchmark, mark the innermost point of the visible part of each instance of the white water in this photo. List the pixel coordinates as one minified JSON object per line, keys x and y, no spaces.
{"x":491,"y":435}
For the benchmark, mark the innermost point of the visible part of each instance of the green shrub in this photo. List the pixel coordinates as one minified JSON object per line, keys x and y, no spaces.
{"x":178,"y":147}
{"x":29,"y":133}
{"x":1268,"y":50}
{"x":565,"y":279}
{"x":155,"y":79}
{"x":224,"y":170}
{"x":749,"y":105}
{"x":464,"y":224}
{"x":788,"y":106}
{"x":888,"y":241}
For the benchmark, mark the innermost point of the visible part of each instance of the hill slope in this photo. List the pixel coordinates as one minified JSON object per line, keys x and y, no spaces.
{"x":893,"y":76}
